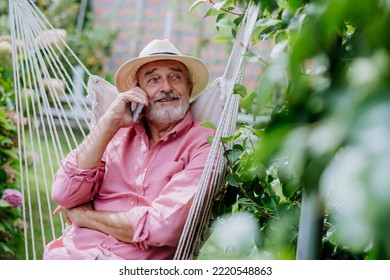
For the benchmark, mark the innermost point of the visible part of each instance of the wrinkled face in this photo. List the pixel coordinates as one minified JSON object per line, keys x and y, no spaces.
{"x":168,"y":86}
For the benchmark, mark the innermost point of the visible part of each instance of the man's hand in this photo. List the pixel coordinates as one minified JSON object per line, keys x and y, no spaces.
{"x":119,"y":113}
{"x":75,"y":215}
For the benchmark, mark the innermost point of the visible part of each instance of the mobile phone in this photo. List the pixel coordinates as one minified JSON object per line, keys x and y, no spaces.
{"x":137,"y":111}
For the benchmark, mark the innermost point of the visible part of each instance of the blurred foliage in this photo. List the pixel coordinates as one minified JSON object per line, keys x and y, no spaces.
{"x":11,"y":227}
{"x":325,"y":87}
{"x":93,"y":45}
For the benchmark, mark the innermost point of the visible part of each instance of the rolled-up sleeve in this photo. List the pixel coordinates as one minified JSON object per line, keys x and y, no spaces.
{"x":73,"y":186}
{"x":161,"y":223}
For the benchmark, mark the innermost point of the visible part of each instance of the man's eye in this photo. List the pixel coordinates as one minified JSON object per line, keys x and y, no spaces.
{"x":152,"y":80}
{"x":175,"y":77}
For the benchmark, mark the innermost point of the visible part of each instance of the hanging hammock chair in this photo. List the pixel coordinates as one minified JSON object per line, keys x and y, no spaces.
{"x":57,"y":116}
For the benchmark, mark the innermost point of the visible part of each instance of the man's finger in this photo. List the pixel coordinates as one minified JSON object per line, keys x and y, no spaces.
{"x":58,"y":210}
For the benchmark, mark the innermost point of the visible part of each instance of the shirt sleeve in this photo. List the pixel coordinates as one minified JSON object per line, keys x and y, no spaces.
{"x":73,"y":186}
{"x":162,"y":223}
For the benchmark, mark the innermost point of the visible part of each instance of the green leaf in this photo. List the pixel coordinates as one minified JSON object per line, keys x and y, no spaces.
{"x":212,"y":12}
{"x":6,"y":249}
{"x":247,"y":102}
{"x":210,"y":139}
{"x":238,"y":20}
{"x":240,"y":89}
{"x":248,"y":204}
{"x":220,"y":17}
{"x":196,"y":4}
{"x":4,"y":203}
{"x":281,"y":35}
{"x":231,"y":180}
{"x":295,"y":4}
{"x":268,"y":32}
{"x":274,"y":202}
{"x":238,"y":147}
{"x":13,"y":154}
{"x":266,"y":22}
{"x":221,"y":38}
{"x":208,"y":124}
{"x":230,"y":138}
{"x":233,"y":155}
{"x":3,"y":175}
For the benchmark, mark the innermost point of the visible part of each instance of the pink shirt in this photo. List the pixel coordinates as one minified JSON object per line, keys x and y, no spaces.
{"x":154,"y":185}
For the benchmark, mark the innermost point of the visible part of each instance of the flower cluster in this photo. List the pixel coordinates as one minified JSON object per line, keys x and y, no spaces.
{"x":13,"y":197}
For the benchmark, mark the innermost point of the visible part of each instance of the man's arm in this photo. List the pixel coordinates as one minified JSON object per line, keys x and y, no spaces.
{"x":115,"y":224}
{"x":91,"y":150}
{"x":80,"y":176}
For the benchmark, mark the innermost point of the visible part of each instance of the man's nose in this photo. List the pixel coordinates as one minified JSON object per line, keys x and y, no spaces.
{"x":165,"y":85}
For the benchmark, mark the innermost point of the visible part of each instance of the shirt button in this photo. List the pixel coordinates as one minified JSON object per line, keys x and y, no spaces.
{"x":131,"y":203}
{"x":145,"y":169}
{"x":104,"y":245}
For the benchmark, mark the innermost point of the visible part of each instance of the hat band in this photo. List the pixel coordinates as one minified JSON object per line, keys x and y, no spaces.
{"x":158,"y":53}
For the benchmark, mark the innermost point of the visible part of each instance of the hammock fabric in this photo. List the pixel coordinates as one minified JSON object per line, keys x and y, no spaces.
{"x":56,"y":110}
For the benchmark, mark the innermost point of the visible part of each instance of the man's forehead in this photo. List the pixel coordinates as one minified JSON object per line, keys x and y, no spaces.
{"x":160,"y":64}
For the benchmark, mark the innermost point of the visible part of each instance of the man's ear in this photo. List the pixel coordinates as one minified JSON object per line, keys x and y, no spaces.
{"x":134,"y":84}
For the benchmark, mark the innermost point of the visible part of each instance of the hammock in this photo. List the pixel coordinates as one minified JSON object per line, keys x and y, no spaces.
{"x":58,"y":115}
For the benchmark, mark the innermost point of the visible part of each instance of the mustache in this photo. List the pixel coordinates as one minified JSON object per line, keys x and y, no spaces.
{"x":168,"y":95}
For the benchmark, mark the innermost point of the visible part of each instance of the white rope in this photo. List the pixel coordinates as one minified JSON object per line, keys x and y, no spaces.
{"x":53,"y":66}
{"x":215,"y":168}
{"x":20,"y":99}
{"x":38,"y":59}
{"x":58,"y":65}
{"x":23,"y":75}
{"x":42,"y":16}
{"x":32,"y":80}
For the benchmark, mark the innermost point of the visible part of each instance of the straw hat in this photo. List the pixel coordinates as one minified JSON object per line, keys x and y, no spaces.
{"x":162,"y":50}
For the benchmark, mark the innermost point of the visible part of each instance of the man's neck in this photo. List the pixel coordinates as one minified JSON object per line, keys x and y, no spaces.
{"x":158,"y":131}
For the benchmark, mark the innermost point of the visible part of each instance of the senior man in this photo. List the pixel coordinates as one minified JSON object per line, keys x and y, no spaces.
{"x":127,"y":189}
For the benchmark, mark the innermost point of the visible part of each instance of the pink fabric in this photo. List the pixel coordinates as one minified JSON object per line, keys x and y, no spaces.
{"x":154,"y":185}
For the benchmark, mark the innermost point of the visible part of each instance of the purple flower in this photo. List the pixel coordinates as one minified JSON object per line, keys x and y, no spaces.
{"x":13,"y":197}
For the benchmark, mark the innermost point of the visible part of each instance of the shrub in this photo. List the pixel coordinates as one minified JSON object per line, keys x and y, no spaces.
{"x":11,"y":225}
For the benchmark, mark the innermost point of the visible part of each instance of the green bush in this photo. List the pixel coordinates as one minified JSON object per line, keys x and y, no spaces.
{"x":324,"y":87}
{"x":11,"y":225}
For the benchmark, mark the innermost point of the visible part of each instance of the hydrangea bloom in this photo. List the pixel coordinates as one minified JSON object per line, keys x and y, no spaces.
{"x":13,"y":197}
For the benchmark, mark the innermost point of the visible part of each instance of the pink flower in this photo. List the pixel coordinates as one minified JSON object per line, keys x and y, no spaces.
{"x":13,"y":197}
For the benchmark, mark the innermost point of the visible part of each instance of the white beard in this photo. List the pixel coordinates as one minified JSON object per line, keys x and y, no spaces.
{"x":167,"y":114}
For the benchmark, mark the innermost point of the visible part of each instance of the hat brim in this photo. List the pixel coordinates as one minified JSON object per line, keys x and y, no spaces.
{"x":125,"y":77}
